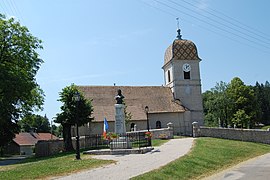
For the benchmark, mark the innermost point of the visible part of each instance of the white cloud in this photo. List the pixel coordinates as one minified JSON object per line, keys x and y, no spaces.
{"x":202,"y":4}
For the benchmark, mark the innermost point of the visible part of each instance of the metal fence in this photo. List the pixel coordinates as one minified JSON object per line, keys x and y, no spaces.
{"x":118,"y":141}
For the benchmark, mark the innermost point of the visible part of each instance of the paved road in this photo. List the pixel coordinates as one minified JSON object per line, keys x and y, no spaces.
{"x":128,"y":166}
{"x":11,"y":160}
{"x":256,"y":168}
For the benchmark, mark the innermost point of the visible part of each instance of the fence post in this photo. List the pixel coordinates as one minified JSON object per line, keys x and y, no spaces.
{"x":195,"y":128}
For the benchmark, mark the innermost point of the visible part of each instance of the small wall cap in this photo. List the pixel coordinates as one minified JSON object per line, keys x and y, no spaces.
{"x":169,"y":124}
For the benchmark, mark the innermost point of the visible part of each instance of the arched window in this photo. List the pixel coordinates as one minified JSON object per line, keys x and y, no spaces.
{"x":158,"y":125}
{"x":132,"y":127}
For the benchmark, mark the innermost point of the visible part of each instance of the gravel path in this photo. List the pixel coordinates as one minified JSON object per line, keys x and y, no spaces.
{"x":128,"y":166}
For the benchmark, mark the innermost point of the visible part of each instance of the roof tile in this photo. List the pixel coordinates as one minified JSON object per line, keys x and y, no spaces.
{"x":159,"y":99}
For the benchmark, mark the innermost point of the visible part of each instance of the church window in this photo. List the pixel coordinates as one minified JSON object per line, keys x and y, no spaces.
{"x":132,"y":127}
{"x":169,"y":76}
{"x":186,"y":75}
{"x":158,"y":125}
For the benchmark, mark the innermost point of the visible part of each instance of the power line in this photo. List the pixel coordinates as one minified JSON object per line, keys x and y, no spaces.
{"x":204,"y":27}
{"x":247,"y":28}
{"x":10,"y":9}
{"x":255,"y":39}
{"x":231,"y":23}
{"x":159,"y":9}
{"x":3,"y":5}
{"x":215,"y":26}
{"x":17,"y":10}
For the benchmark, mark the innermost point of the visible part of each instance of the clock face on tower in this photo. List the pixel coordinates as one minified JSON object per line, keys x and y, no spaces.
{"x":186,"y":67}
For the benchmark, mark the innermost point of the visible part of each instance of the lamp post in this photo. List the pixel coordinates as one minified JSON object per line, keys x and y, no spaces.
{"x":146,"y":109}
{"x":77,"y":98}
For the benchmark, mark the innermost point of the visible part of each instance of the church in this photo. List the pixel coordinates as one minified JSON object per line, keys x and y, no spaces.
{"x":179,"y":101}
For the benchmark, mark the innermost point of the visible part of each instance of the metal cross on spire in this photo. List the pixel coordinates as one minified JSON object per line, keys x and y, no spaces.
{"x":179,"y":36}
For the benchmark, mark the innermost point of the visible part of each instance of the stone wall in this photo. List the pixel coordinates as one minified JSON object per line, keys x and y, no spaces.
{"x":164,"y":133}
{"x":251,"y":135}
{"x":48,"y":148}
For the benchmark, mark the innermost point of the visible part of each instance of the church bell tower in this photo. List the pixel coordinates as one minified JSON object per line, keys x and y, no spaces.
{"x":182,"y":75}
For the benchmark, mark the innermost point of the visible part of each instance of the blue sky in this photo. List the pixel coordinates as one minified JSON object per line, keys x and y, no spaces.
{"x":103,"y":42}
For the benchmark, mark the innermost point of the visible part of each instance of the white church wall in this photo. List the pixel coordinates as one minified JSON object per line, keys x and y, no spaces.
{"x":181,"y":122}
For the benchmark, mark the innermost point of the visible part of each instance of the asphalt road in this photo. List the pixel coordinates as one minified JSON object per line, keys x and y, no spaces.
{"x":254,"y":169}
{"x":11,"y":160}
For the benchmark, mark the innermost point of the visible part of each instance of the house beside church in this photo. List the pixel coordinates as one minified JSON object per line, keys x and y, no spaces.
{"x":179,"y":101}
{"x":24,"y":142}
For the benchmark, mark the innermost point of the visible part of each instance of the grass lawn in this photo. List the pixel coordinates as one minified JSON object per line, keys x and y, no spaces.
{"x":265,"y":127}
{"x":208,"y":156}
{"x":159,"y":142}
{"x":36,"y":168}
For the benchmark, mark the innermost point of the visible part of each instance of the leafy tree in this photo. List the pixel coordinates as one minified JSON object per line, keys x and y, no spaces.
{"x":37,"y":123}
{"x":226,"y":104}
{"x":19,"y":63}
{"x":266,"y":108}
{"x":128,"y":115}
{"x":73,"y":113}
{"x":262,"y":98}
{"x":57,"y":130}
{"x":242,"y":98}
{"x":215,"y":105}
{"x":240,"y":118}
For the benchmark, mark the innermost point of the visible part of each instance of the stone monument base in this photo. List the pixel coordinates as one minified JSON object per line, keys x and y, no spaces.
{"x":120,"y":143}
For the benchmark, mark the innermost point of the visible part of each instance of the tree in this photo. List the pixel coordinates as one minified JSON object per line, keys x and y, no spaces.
{"x":57,"y":130}
{"x":241,"y":97}
{"x":73,"y":113}
{"x":262,"y":98}
{"x":215,"y":105}
{"x":240,"y":118}
{"x":128,"y":115}
{"x":19,"y":63}
{"x":37,"y":123}
{"x":260,"y":101}
{"x":266,"y":108}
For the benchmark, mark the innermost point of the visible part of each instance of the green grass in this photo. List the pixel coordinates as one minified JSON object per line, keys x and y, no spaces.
{"x":159,"y":142}
{"x":208,"y":156}
{"x":265,"y":127}
{"x":62,"y":164}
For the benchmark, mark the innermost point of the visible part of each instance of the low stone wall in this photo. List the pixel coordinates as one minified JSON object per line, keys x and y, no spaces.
{"x":48,"y":148}
{"x":251,"y":135}
{"x":164,"y":133}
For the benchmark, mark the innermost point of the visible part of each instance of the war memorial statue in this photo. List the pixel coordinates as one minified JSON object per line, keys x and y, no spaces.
{"x":119,"y":97}
{"x":120,"y":126}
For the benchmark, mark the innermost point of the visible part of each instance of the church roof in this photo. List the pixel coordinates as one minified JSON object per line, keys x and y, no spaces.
{"x":159,"y":99}
{"x":181,"y":49}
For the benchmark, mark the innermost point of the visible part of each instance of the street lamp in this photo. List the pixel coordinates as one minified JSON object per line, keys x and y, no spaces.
{"x":146,"y":109}
{"x":77,"y":98}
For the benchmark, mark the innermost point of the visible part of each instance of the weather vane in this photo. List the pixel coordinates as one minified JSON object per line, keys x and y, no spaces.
{"x":177,"y":19}
{"x":179,"y":36}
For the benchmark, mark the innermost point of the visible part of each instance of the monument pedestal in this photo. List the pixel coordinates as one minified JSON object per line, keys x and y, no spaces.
{"x":122,"y":142}
{"x":119,"y":126}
